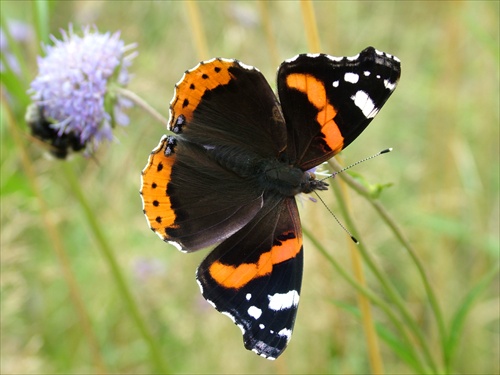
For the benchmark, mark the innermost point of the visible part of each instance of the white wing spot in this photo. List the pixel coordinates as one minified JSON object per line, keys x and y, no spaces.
{"x":254,"y":312}
{"x":366,"y":73}
{"x":365,"y":104}
{"x":389,"y":85}
{"x":335,"y":84}
{"x":282,"y":301}
{"x":248,"y":296}
{"x":351,"y":77}
{"x":285,"y":333}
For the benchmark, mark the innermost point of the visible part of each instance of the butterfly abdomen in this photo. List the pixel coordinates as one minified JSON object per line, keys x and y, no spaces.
{"x":244,"y":164}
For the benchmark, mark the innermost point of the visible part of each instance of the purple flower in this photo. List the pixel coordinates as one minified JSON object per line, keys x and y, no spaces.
{"x":74,"y":88}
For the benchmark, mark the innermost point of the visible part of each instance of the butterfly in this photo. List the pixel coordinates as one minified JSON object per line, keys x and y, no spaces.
{"x":229,"y":176}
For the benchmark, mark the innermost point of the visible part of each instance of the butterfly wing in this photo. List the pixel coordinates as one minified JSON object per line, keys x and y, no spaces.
{"x":225,"y":103}
{"x":254,"y":277}
{"x":182,"y":200}
{"x":199,"y":187}
{"x":328,"y":101}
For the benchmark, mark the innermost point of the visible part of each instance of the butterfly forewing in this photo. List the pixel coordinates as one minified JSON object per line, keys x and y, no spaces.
{"x":328,"y":101}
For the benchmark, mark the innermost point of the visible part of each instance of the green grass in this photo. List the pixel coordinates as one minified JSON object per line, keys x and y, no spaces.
{"x":73,"y":236}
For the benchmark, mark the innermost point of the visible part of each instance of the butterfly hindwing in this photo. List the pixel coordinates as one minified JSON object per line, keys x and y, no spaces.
{"x":254,"y":277}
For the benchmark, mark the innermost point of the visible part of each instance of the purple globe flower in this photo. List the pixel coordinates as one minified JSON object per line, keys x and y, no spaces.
{"x":75,"y":89}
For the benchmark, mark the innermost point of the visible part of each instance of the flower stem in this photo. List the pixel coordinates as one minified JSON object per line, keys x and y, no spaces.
{"x":268,"y":30}
{"x":57,"y":244}
{"x":141,"y":103}
{"x":383,"y":280}
{"x":376,"y":363}
{"x":387,"y":218}
{"x":371,"y":296}
{"x":196,"y":24}
{"x":110,"y":259}
{"x":310,"y":26}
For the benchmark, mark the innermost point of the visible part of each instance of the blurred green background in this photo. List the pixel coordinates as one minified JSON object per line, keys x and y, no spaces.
{"x":442,"y":121}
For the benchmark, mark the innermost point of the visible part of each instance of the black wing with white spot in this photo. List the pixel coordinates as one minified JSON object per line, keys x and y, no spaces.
{"x":328,"y":101}
{"x":254,"y":277}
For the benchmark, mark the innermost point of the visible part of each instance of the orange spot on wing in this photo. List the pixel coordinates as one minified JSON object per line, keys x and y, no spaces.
{"x":155,"y":178}
{"x":316,"y":94}
{"x":236,"y":277}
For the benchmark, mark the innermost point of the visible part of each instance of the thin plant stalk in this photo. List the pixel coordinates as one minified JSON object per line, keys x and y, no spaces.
{"x":388,"y":287}
{"x":57,"y":245}
{"x":374,"y":355}
{"x":41,"y":20}
{"x":310,"y":26}
{"x":196,"y":24}
{"x":371,"y":296}
{"x":398,"y":233}
{"x":109,"y":257}
{"x":141,"y":103}
{"x":268,"y":30}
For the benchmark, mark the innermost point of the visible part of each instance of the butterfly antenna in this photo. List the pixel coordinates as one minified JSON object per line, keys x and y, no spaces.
{"x":340,"y":171}
{"x":336,"y":218}
{"x":358,"y":162}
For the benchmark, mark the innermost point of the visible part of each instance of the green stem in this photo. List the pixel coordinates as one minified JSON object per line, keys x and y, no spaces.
{"x":41,"y":20}
{"x":388,"y":287}
{"x":141,"y":103}
{"x":110,"y":259}
{"x":55,"y":239}
{"x":386,"y":217}
{"x":371,"y":296}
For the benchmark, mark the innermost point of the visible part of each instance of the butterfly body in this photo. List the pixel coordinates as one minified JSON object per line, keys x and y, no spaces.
{"x":229,"y":175}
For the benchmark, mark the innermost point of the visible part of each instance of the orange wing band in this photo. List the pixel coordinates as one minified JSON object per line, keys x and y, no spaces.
{"x":195,"y":82}
{"x":155,"y":178}
{"x":237,"y":277}
{"x":316,"y":94}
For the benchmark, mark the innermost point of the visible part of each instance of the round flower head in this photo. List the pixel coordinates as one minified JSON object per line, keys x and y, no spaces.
{"x":74,"y":87}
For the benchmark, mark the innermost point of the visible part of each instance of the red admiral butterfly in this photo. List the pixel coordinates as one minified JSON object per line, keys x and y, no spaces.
{"x":239,"y":156}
